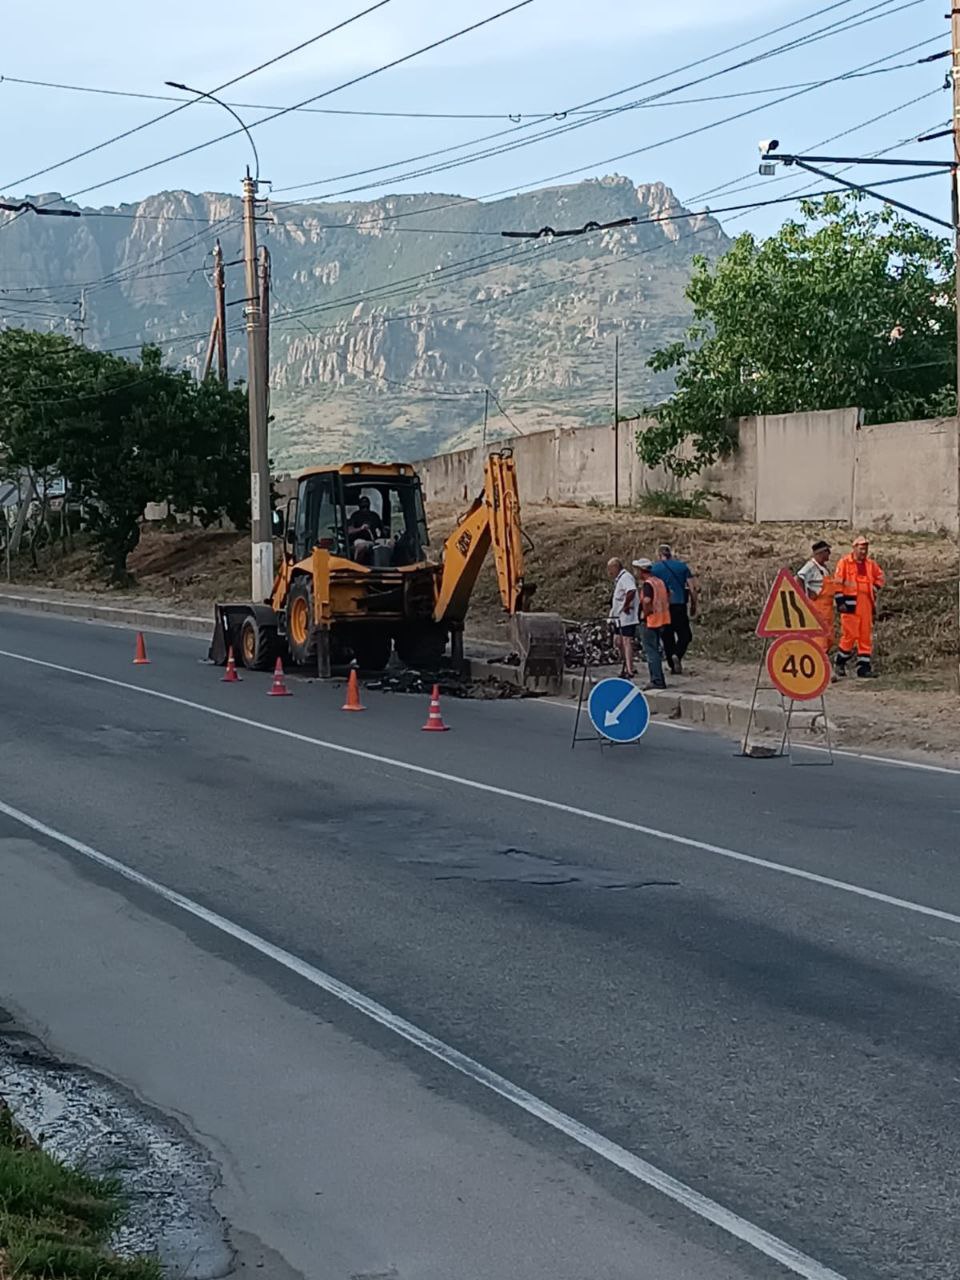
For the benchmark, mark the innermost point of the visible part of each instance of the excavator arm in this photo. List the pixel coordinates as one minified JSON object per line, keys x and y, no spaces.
{"x":493,"y":520}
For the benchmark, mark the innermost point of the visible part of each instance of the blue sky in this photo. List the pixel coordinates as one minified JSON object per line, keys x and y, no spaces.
{"x":548,"y":57}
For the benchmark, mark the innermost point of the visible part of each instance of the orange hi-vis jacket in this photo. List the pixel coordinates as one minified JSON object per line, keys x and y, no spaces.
{"x":658,"y":612}
{"x":850,"y":585}
{"x":856,"y":600}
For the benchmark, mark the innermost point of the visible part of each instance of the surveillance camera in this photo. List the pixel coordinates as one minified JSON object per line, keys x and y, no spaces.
{"x":768,"y":145}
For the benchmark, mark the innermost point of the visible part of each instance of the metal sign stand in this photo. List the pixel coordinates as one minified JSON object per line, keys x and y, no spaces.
{"x":595,"y":736}
{"x":787,"y":706}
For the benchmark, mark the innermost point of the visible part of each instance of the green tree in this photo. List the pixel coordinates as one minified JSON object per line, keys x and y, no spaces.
{"x":122,"y":433}
{"x":845,"y":308}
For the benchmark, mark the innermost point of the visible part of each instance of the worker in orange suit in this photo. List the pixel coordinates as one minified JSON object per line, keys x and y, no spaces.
{"x":820,"y":588}
{"x":859,"y":581}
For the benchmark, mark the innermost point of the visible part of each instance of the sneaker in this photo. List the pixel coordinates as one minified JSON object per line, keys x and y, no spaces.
{"x":648,"y":687}
{"x":676,"y":666}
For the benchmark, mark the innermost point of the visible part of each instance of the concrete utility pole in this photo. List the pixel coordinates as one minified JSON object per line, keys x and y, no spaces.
{"x":261,"y":536}
{"x":82,"y":317}
{"x":486,"y":415}
{"x":616,"y":421}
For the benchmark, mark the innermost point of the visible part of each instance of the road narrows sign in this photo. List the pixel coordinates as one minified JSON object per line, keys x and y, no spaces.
{"x":787,"y":611}
{"x":618,"y":710}
{"x":798,"y":667}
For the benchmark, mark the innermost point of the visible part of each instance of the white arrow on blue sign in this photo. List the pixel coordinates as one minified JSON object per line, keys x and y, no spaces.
{"x":618,"y":710}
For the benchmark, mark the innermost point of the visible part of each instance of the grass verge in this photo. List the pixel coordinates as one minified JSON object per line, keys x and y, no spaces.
{"x":54,"y":1221}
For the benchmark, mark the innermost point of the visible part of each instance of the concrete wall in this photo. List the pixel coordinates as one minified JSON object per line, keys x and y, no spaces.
{"x":906,"y":475}
{"x":797,"y":467}
{"x":805,"y":466}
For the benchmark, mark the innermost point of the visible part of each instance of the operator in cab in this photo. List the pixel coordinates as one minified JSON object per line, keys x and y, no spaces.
{"x":364,"y":527}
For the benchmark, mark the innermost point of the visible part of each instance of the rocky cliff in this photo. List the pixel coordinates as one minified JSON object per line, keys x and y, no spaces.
{"x":390,"y":317}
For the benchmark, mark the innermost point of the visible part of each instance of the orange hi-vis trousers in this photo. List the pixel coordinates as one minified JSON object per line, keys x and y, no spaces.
{"x":856,"y":629}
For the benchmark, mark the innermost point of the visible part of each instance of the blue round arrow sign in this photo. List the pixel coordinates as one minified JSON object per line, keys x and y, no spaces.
{"x":618,"y":710}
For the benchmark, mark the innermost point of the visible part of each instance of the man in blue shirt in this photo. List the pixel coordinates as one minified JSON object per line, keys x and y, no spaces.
{"x":681,"y":586}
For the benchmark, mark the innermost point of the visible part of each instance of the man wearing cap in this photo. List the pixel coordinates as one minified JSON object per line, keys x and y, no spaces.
{"x":624,"y":612}
{"x":820,"y":587}
{"x":654,"y":619}
{"x":859,"y":581}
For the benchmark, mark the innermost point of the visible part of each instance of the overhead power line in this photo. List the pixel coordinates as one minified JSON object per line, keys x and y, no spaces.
{"x":878,"y":10}
{"x":276,"y":115}
{"x":187,"y":102}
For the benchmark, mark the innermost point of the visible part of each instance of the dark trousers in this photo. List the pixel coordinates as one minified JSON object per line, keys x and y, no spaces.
{"x":677,"y":637}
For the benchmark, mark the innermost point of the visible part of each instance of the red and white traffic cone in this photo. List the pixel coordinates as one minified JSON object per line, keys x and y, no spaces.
{"x":434,"y":718}
{"x":353,"y":702}
{"x":230,"y":676}
{"x":279,"y":687}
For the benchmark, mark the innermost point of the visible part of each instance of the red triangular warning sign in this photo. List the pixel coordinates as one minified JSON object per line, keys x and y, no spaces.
{"x":787,"y":611}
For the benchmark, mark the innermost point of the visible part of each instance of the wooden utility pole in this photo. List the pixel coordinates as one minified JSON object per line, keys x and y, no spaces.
{"x":263,"y":280}
{"x":82,"y":317}
{"x":261,"y":538}
{"x":220,"y":313}
{"x":955,"y":76}
{"x":218,"y":330}
{"x":616,"y":421}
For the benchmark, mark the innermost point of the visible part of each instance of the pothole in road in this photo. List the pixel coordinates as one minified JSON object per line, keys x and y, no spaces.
{"x":520,"y":866}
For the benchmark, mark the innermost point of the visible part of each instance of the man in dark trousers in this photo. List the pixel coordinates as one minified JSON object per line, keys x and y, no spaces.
{"x":678,"y":578}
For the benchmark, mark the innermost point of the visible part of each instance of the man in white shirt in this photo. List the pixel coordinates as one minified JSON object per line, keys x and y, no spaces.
{"x":624,"y":612}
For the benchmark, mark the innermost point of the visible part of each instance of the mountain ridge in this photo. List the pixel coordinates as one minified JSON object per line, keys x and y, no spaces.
{"x":389,"y":317}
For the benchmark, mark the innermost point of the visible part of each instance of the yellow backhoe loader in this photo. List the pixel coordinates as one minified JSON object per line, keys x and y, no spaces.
{"x":356,"y":579}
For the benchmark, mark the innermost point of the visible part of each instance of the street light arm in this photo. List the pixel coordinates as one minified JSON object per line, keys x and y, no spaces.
{"x":202,"y":93}
{"x":856,"y":186}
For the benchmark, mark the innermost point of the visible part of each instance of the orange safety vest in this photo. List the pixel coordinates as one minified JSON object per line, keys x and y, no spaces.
{"x":851,"y":584}
{"x":658,"y":613}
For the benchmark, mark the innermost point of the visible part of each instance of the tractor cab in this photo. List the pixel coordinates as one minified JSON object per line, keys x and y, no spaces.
{"x":371,"y":515}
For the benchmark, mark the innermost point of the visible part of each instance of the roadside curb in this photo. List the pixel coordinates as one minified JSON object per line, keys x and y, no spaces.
{"x":691,"y":708}
{"x":141,"y":619}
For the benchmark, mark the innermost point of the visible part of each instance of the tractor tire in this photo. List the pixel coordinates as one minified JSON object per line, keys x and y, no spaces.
{"x":258,"y":645}
{"x":371,"y":647}
{"x":301,"y":641}
{"x":422,"y":647}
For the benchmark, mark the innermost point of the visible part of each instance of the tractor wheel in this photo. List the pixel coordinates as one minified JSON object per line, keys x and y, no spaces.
{"x":371,"y":647}
{"x":300,"y":638}
{"x":422,"y":646}
{"x":258,"y":644}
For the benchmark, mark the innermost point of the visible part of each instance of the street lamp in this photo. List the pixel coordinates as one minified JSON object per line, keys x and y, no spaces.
{"x":261,"y":565}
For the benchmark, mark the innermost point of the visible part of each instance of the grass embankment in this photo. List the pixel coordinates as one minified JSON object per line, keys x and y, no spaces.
{"x":916,"y":633}
{"x":55,"y":1222}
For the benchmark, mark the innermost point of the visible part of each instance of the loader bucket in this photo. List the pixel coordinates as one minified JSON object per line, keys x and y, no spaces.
{"x":540,"y":640}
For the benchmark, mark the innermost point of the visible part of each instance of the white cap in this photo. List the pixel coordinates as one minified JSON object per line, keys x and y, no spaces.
{"x":643,"y":564}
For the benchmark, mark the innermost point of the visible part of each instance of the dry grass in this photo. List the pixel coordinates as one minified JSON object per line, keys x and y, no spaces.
{"x":916,"y":633}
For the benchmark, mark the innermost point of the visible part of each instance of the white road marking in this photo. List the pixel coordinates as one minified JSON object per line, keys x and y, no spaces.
{"x":489,"y":788}
{"x":769,"y":1245}
{"x":849,"y":754}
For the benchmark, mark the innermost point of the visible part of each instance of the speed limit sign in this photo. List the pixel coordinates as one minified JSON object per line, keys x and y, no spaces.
{"x":798,"y":668}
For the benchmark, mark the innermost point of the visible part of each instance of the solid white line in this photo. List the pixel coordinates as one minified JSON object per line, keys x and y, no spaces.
{"x":769,"y":1245}
{"x":542,"y":802}
{"x":846,"y":752}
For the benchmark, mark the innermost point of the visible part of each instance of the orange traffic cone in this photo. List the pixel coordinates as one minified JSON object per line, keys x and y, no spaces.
{"x":434,"y":719}
{"x":140,"y":658}
{"x":279,"y":687}
{"x":230,"y":676}
{"x":353,"y":702}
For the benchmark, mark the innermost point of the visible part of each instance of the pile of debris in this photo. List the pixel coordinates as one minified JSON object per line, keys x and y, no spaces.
{"x":451,"y":683}
{"x":589,"y":644}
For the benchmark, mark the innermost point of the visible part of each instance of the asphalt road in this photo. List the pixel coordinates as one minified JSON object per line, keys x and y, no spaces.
{"x":742,"y":972}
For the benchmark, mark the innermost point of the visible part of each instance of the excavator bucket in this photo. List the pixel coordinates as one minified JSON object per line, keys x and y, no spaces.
{"x":540,"y":640}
